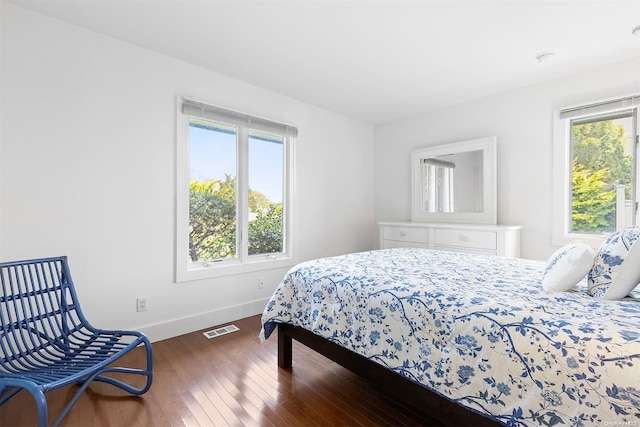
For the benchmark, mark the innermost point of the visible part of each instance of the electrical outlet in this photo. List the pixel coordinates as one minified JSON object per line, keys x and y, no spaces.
{"x":260,"y":282}
{"x":142,"y":304}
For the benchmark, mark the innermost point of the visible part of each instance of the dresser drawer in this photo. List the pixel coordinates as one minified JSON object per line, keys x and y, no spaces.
{"x":467,"y":239}
{"x":405,"y":234}
{"x":489,"y":239}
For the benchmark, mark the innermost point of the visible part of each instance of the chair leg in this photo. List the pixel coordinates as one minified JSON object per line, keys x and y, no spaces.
{"x":73,"y":400}
{"x":41,"y":404}
{"x":146,"y":372}
{"x":7,"y":393}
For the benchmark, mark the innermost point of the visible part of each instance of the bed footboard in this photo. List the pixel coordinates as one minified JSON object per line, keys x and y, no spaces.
{"x":414,"y":395}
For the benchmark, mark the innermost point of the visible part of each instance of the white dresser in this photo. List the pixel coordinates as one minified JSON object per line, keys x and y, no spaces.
{"x":501,"y":240}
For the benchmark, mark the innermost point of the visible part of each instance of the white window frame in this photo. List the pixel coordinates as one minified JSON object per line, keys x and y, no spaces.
{"x":243,"y":263}
{"x":561,"y":202}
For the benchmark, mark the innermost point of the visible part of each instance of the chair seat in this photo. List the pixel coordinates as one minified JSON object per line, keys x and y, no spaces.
{"x":55,"y":366}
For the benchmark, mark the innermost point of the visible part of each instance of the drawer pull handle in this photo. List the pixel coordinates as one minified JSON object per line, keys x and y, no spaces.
{"x":403,"y":233}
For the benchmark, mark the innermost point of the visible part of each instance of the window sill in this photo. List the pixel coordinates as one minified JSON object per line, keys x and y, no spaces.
{"x":214,"y":269}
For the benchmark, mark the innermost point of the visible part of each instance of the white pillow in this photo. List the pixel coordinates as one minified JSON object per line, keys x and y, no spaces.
{"x":567,"y":266}
{"x":616,"y":269}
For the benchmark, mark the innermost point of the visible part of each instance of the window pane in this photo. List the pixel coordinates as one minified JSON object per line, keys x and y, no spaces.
{"x":266,"y":189}
{"x":602,"y":173}
{"x":212,"y":190}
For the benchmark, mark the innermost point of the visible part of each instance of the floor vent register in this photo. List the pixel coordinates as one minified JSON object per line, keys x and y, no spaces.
{"x":220,"y":331}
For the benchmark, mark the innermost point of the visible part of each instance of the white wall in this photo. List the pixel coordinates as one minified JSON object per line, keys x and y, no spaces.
{"x":522,"y":121}
{"x":88,"y":170}
{"x":1,"y":97}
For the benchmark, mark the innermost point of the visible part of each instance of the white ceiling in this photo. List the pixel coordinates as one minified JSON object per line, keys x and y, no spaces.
{"x":373,"y":60}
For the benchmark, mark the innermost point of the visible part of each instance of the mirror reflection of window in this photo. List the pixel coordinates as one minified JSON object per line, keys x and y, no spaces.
{"x":438,"y":185}
{"x":455,"y":182}
{"x":438,"y":177}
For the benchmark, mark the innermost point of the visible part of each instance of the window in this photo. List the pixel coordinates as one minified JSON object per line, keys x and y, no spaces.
{"x":438,"y":185}
{"x":234,"y":199}
{"x":600,"y":143}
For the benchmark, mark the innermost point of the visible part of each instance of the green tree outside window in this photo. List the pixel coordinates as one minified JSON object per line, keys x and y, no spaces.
{"x":600,"y":163}
{"x":212,"y":228}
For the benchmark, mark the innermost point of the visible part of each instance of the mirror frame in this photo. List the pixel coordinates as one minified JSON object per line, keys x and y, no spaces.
{"x":488,"y":146}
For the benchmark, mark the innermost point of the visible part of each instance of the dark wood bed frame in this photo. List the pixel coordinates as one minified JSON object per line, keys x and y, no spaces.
{"x":399,"y":387}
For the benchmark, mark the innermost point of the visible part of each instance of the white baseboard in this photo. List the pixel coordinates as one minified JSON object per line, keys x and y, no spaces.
{"x":196,"y":322}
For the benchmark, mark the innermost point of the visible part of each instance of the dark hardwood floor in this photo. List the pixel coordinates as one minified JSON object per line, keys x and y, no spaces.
{"x":231,"y":380}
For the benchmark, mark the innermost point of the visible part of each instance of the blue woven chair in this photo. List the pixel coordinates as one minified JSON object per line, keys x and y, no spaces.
{"x":47,"y":343}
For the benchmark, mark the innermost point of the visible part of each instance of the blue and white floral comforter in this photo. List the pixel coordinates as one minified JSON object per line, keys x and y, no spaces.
{"x":477,"y":330}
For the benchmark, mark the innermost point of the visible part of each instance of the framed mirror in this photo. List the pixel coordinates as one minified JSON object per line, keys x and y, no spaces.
{"x":455,"y":182}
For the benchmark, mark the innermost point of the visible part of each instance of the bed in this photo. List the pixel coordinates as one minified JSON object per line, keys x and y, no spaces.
{"x":478,"y":332}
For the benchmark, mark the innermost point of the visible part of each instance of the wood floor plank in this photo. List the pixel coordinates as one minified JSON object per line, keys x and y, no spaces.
{"x":365,"y":413}
{"x":190,"y":421}
{"x":232,"y":380}
{"x":199,"y":413}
